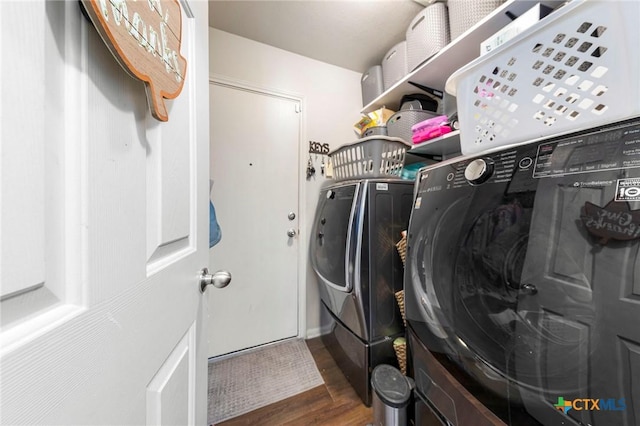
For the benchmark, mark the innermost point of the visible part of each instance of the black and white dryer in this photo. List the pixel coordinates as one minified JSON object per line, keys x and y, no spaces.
{"x":359,"y":270}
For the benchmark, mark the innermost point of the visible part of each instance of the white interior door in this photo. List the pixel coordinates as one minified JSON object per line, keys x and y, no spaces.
{"x":103,"y":228}
{"x":255,"y":138}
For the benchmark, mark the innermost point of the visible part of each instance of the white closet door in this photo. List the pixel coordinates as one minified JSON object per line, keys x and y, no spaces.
{"x":103,"y":227}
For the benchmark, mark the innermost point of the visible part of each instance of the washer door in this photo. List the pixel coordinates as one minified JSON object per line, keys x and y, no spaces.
{"x":525,"y":300}
{"x":472,"y":269}
{"x":466,"y":251}
{"x":530,"y":283}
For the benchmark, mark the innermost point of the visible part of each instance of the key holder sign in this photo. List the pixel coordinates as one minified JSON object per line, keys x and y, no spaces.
{"x":145,"y":37}
{"x":318,"y":148}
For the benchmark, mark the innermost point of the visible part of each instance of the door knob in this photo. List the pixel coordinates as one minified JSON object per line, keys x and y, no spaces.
{"x":291,"y":215}
{"x":220,"y":279}
{"x":291,"y":232}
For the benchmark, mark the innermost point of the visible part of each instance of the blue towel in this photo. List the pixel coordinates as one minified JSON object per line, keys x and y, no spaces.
{"x":215,"y":234}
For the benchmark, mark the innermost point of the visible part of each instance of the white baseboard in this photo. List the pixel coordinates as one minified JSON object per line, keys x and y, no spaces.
{"x":318,"y":331}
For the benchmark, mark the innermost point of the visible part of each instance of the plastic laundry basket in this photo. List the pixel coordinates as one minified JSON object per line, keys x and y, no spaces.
{"x":373,"y":156}
{"x":576,"y":68}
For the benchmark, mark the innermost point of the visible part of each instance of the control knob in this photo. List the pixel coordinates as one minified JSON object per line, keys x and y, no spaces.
{"x":479,"y":171}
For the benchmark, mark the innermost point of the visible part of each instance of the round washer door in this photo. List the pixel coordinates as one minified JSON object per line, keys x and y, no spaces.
{"x":466,"y":263}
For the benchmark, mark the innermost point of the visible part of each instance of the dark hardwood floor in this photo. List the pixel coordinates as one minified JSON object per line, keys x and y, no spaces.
{"x":334,"y":403}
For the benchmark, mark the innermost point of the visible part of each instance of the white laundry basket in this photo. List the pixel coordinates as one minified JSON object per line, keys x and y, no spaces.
{"x":576,"y":68}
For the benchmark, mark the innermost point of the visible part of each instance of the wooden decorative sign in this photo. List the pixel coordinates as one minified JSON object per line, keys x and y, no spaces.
{"x":144,"y":36}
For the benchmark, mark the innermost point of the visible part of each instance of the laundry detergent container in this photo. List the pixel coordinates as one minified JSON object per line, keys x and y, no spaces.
{"x":427,"y":34}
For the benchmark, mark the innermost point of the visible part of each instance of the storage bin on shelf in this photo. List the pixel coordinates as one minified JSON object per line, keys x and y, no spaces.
{"x":376,"y":120}
{"x":464,"y":14}
{"x":394,"y":65}
{"x":375,"y":130}
{"x":576,"y":68}
{"x":399,"y":124}
{"x":524,"y":21}
{"x":372,"y":84}
{"x":370,"y":157}
{"x":427,"y":33}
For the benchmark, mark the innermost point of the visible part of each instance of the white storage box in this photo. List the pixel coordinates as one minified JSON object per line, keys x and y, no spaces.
{"x":372,"y":84}
{"x":374,"y":156}
{"x":464,"y":14}
{"x":524,"y":21}
{"x":427,"y":34}
{"x":576,"y":68}
{"x":394,"y":64}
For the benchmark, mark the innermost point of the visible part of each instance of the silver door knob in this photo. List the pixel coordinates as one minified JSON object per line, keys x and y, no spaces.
{"x":291,"y":215}
{"x":291,"y":232}
{"x":529,"y":289}
{"x":220,"y":279}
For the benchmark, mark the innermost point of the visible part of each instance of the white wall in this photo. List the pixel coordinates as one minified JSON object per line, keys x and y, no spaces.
{"x":331,"y":105}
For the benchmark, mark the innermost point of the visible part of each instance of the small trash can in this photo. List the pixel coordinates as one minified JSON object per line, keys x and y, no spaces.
{"x":391,"y":395}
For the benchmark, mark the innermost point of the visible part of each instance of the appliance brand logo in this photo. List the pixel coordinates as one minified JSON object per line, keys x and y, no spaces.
{"x":589,"y":404}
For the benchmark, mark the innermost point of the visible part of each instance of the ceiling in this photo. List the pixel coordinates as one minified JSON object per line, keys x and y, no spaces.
{"x":352,"y":34}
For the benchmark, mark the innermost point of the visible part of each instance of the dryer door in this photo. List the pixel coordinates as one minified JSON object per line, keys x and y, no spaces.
{"x":329,"y":240}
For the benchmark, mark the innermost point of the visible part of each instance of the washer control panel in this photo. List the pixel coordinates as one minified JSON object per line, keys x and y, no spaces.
{"x":518,"y":168}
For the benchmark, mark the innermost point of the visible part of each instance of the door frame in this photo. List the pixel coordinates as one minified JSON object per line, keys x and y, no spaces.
{"x":303,"y":226}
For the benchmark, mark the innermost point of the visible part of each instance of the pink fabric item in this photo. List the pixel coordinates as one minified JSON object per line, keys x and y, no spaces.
{"x":429,"y":129}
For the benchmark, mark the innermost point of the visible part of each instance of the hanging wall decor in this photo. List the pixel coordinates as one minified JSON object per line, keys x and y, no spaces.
{"x":145,"y":37}
{"x":614,"y":221}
